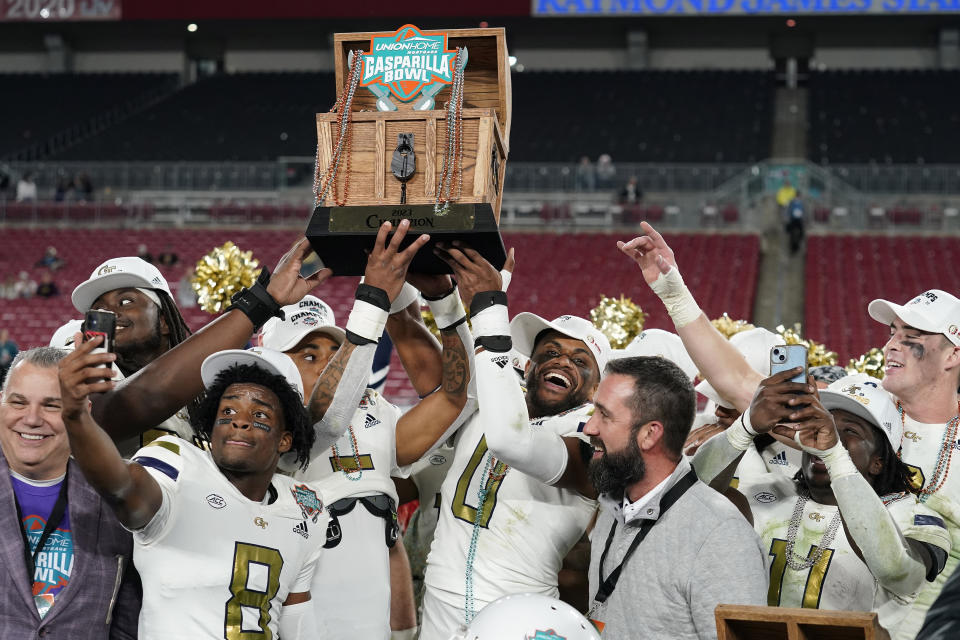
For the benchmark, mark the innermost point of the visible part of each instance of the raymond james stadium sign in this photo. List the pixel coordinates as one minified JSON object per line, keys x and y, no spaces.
{"x":738,"y":7}
{"x":407,"y":60}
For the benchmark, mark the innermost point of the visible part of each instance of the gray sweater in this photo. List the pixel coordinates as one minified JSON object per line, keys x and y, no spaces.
{"x":700,"y":554}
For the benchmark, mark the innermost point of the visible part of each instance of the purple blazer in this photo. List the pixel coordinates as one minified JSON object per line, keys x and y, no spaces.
{"x":102,"y":600}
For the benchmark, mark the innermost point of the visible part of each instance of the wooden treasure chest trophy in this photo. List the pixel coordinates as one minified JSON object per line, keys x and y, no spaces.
{"x":421,"y":131}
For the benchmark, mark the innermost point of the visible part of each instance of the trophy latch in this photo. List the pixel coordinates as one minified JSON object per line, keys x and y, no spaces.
{"x":404,"y":163}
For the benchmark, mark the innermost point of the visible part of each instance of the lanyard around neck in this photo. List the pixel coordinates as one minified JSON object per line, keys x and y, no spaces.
{"x":56,"y":517}
{"x":608,"y":584}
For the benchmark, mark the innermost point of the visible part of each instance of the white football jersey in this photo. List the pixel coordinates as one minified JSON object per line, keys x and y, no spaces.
{"x":839,"y":580}
{"x":374,"y":424}
{"x":428,"y":474}
{"x":526,"y":526}
{"x":775,"y":458}
{"x":178,"y":425}
{"x":921,"y":448}
{"x":213,"y":563}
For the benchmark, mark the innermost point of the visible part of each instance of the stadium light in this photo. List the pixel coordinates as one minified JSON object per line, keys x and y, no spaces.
{"x":513,"y":60}
{"x":192,"y":27}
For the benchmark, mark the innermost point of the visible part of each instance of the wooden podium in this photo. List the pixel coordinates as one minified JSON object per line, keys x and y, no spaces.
{"x":742,"y":622}
{"x":340,"y":234}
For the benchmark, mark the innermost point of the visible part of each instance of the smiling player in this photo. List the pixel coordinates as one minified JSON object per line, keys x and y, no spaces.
{"x":225,"y":547}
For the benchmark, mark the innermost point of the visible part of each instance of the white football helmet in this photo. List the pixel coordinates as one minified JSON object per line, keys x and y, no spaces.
{"x":528,"y":616}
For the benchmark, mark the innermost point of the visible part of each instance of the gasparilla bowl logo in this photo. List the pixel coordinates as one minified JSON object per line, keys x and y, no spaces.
{"x":406,"y":61}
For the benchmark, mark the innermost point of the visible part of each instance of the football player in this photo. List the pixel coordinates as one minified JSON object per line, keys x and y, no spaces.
{"x":847,"y":532}
{"x":224,"y":546}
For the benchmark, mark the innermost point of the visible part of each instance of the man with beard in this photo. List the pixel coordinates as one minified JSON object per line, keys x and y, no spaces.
{"x":501,"y":530}
{"x":696,"y":551}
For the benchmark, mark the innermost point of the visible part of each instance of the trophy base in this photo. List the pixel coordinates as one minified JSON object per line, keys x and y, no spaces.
{"x":341,"y":236}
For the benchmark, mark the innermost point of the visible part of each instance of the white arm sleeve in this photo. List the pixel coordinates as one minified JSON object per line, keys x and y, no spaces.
{"x":506,"y":424}
{"x":716,"y":454}
{"x":893,"y":562}
{"x":297,"y":621}
{"x":353,"y":382}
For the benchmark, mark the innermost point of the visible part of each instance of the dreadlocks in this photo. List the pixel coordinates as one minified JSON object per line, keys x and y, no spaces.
{"x":178,"y":332}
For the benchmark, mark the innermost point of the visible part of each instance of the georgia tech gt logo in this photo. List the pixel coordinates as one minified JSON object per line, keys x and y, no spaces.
{"x":260,"y":522}
{"x":105,"y":269}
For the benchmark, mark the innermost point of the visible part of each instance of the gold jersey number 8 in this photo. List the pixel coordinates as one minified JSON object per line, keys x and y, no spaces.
{"x":244,"y":556}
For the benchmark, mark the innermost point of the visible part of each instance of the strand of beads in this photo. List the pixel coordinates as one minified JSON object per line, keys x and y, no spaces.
{"x":825,"y":541}
{"x":450,"y":170}
{"x":358,"y":470}
{"x":944,"y":458}
{"x":493,"y":471}
{"x":328,"y":184}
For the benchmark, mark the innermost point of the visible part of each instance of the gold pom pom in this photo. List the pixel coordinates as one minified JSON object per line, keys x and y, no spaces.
{"x":817,"y":353}
{"x":428,"y":320}
{"x":870,"y":363}
{"x":730,"y":327}
{"x":220,"y":274}
{"x":620,"y":320}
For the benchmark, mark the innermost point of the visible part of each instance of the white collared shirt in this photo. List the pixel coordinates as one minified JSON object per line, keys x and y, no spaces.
{"x":647,"y":507}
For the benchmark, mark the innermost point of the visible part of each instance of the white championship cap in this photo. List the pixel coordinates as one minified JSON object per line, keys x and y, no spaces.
{"x":862,"y":396}
{"x":310,"y":315}
{"x":754,"y":344}
{"x":117,"y":273}
{"x":272,"y":361}
{"x":63,"y":337}
{"x":525,"y":328}
{"x":934,"y":311}
{"x":662,"y":344}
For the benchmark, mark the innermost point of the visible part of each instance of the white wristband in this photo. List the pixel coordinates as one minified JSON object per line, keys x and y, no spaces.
{"x":838,"y":460}
{"x":738,"y":436}
{"x":505,"y":277}
{"x":367,"y":320}
{"x":492,"y":321}
{"x":681,"y":306}
{"x":747,"y":426}
{"x":448,"y":310}
{"x":407,"y":296}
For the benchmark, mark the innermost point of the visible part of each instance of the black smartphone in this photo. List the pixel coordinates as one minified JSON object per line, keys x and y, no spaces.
{"x":97,"y":322}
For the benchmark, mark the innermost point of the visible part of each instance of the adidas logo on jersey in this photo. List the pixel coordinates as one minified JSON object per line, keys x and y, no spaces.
{"x":780,"y":458}
{"x":302,"y":530}
{"x":370,"y":421}
{"x":501,"y":361}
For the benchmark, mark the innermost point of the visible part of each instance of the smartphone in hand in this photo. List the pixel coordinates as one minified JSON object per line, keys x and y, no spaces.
{"x":97,"y":322}
{"x":788,"y":356}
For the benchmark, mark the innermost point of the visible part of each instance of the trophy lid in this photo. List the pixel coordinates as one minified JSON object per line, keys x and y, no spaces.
{"x":486,"y":76}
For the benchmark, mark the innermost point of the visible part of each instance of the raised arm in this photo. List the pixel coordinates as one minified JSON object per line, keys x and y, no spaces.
{"x":135,"y":404}
{"x":502,"y":407}
{"x":418,"y":349}
{"x":718,"y":360}
{"x":342,"y":383}
{"x":127,"y":487}
{"x":774,"y":401}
